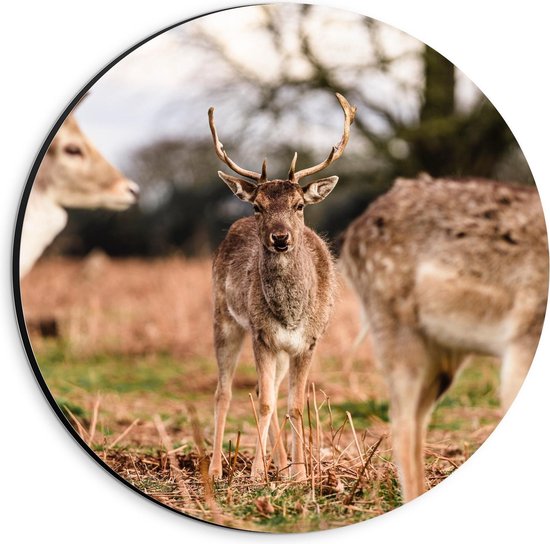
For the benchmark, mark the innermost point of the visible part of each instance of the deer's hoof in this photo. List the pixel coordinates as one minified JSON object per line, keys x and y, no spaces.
{"x":257,"y":473}
{"x":215,"y":472}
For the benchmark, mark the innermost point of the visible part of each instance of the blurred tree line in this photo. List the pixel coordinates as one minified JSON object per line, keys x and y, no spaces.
{"x":408,"y":121}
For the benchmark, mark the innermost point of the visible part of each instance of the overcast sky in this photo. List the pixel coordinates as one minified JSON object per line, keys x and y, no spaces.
{"x":165,"y":87}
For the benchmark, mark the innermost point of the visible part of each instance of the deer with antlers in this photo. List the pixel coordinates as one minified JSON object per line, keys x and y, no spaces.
{"x":273,"y":277}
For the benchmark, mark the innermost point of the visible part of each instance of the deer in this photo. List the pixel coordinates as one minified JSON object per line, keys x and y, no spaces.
{"x":274,"y":278}
{"x":446,"y":269}
{"x":73,"y":174}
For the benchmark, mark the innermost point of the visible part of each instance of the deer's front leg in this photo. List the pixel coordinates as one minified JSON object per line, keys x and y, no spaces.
{"x":228,"y":338}
{"x":266,"y":368}
{"x":299,"y":370}
{"x":278,"y":451}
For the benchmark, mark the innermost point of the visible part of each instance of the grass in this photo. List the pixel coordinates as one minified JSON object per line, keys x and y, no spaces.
{"x":68,"y":407}
{"x":115,"y":374}
{"x":130,"y":390}
{"x":141,"y":396}
{"x":363,"y":412}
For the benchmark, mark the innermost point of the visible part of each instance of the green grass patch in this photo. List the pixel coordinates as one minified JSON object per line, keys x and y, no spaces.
{"x":67,"y":406}
{"x":476,"y":386}
{"x":160,"y":374}
{"x":146,"y":385}
{"x":293,"y":508}
{"x":362,"y":412}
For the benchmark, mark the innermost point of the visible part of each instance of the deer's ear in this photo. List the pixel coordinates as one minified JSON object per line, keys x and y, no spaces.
{"x":240,"y":187}
{"x":318,"y":190}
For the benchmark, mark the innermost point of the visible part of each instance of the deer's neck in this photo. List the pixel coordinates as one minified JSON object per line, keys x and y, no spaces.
{"x":44,"y":220}
{"x":288,"y":284}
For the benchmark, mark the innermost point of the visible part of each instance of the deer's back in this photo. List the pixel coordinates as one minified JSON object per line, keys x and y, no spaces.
{"x":455,"y":258}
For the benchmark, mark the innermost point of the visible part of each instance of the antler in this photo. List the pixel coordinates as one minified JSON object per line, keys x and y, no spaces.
{"x":220,"y":151}
{"x":335,"y":152}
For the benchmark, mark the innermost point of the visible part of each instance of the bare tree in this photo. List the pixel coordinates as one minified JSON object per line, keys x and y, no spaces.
{"x":408,"y":121}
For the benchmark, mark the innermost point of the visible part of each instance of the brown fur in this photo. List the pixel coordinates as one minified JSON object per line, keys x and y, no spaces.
{"x":273,"y":277}
{"x":72,"y":174}
{"x":283,"y":300}
{"x":444,"y":269}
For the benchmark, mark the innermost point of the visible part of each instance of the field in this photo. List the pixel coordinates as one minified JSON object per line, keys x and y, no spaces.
{"x":126,"y":350}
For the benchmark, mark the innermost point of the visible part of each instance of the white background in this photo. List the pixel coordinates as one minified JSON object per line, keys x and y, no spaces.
{"x":49,"y":488}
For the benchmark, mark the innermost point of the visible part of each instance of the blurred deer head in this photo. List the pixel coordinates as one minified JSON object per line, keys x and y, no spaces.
{"x":74,"y":174}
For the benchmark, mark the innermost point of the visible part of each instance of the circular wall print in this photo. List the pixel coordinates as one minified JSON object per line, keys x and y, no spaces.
{"x":306,"y":325}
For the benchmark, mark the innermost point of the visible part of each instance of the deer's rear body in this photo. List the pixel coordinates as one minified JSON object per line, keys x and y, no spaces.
{"x":444,"y":269}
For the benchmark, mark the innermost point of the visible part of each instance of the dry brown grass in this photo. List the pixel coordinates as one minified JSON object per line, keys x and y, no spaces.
{"x":131,"y":306}
{"x":134,"y":371}
{"x":150,"y":306}
{"x":350,"y":477}
{"x":135,"y":306}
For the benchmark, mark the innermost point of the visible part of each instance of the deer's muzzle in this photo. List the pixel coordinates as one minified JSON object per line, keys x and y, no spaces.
{"x":280,"y":241}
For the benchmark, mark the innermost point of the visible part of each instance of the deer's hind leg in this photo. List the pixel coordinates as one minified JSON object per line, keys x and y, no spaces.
{"x":516,"y":362}
{"x":228,"y":339}
{"x":417,"y":375}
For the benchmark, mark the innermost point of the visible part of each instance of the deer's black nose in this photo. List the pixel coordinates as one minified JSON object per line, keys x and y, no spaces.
{"x":279,"y":238}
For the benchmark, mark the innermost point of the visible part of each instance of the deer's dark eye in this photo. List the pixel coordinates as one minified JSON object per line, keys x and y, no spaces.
{"x":299,"y":207}
{"x":257,"y":208}
{"x":73,"y":149}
